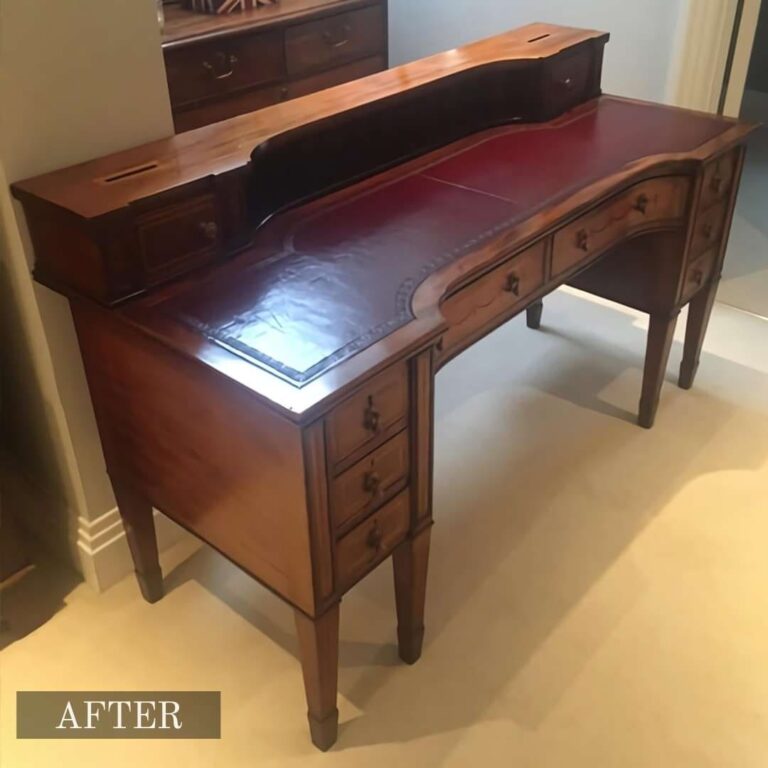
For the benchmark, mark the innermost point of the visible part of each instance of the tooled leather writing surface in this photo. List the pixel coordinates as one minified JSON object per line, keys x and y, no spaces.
{"x":340,"y":275}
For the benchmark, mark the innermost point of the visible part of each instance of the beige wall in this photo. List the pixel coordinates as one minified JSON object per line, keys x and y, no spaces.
{"x":78,"y":79}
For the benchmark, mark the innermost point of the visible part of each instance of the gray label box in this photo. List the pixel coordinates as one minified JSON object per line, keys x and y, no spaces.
{"x":118,"y":714}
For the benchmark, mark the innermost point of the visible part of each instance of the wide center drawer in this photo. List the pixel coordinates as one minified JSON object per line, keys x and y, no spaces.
{"x":344,"y":36}
{"x":474,"y":308}
{"x":643,"y":205}
{"x":204,"y":70}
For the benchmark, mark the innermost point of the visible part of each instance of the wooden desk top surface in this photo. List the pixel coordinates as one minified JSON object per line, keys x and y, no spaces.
{"x":215,"y":149}
{"x":333,"y":278}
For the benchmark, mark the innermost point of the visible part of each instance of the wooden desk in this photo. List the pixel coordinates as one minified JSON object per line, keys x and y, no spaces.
{"x":262,"y":305}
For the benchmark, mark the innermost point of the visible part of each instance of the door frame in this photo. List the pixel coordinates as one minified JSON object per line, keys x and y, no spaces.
{"x":704,"y":41}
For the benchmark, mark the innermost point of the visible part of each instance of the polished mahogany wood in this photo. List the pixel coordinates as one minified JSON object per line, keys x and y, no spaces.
{"x":319,"y":649}
{"x":410,"y":561}
{"x":220,"y":66}
{"x":262,"y":361}
{"x":139,"y":522}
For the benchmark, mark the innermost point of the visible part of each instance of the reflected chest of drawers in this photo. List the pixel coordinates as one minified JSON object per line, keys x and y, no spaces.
{"x":222,"y":66}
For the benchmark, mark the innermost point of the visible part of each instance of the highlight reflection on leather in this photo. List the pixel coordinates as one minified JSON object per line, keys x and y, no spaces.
{"x":340,"y":276}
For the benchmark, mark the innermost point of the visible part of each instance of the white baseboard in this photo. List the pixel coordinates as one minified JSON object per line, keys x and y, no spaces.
{"x":103,"y":547}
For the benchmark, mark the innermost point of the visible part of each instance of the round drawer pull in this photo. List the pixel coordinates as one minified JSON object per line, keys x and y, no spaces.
{"x":209,"y":229}
{"x":716,"y":185}
{"x":371,"y":417}
{"x":375,"y":537}
{"x":708,"y":230}
{"x":372,"y":483}
{"x":698,"y":277}
{"x":582,"y":239}
{"x":512,"y":284}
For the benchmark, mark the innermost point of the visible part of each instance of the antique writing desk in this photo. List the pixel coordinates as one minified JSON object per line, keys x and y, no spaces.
{"x":262,"y":304}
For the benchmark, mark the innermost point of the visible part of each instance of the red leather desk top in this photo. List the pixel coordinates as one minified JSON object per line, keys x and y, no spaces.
{"x":329,"y":278}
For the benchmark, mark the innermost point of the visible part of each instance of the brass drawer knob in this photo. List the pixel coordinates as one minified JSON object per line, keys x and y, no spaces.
{"x":209,"y":229}
{"x":641,"y":204}
{"x":372,"y":483}
{"x":375,"y":537}
{"x":582,"y":239}
{"x":512,"y":284}
{"x":371,"y":417}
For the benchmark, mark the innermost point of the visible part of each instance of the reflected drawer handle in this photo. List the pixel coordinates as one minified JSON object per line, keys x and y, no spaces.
{"x":512,"y":284}
{"x":375,"y":537}
{"x":716,"y":184}
{"x":342,"y":41}
{"x":641,"y":204}
{"x":372,"y":483}
{"x":226,"y":61}
{"x":371,"y":417}
{"x":209,"y":229}
{"x":582,"y":239}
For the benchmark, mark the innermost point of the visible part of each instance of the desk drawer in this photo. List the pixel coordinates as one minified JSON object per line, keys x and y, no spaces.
{"x":570,"y":79}
{"x":698,"y":273}
{"x":368,"y":484}
{"x":642,"y":206}
{"x":708,"y":229}
{"x":178,"y":237}
{"x":331,"y":77}
{"x":321,"y":44}
{"x":493,"y":296}
{"x":367,"y":417}
{"x":371,"y":541}
{"x":718,"y":179}
{"x":205,"y":70}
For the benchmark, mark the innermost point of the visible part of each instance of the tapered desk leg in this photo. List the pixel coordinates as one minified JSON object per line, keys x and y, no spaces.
{"x":139,"y":523}
{"x":319,"y":647}
{"x":699,"y":312}
{"x":533,"y":315}
{"x":410,"y":562}
{"x":660,"y":333}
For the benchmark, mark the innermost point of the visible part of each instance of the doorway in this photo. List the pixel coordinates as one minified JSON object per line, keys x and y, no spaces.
{"x":745,"y":275}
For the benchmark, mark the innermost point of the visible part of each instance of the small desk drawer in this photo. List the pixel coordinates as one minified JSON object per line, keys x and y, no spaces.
{"x":205,"y":70}
{"x":642,"y":205}
{"x":718,"y":179}
{"x":369,"y":483}
{"x":569,"y":78}
{"x":363,"y":420}
{"x":474,"y":307}
{"x":343,"y":37}
{"x":371,"y":541}
{"x":698,"y":273}
{"x":708,"y":229}
{"x":178,"y":237}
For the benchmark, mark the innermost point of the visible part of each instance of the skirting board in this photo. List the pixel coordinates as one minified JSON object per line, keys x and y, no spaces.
{"x":103,"y":547}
